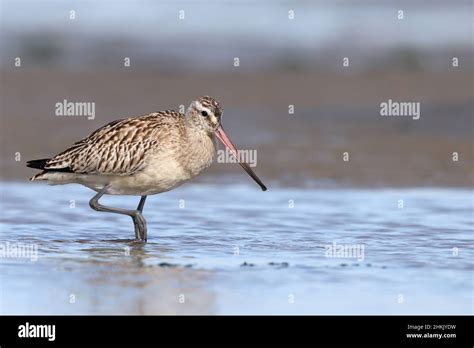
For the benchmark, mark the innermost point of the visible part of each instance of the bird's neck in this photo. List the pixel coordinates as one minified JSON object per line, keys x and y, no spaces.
{"x":199,"y":151}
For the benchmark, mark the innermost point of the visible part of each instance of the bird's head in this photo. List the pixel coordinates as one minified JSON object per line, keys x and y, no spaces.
{"x":205,"y":114}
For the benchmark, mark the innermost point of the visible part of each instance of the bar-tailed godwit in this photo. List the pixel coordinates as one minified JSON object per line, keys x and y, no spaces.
{"x":141,"y":156}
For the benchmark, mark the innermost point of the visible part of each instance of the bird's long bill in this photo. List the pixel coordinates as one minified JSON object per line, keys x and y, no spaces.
{"x":226,"y":141}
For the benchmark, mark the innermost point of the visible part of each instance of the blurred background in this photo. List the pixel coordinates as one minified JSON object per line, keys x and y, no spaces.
{"x":234,"y":249}
{"x":180,"y":50}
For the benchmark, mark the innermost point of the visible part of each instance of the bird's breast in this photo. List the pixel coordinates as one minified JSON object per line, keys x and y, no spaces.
{"x":198,"y":154}
{"x":168,"y":168}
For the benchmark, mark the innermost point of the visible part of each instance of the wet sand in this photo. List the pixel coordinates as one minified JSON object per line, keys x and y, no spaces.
{"x":334,"y":113}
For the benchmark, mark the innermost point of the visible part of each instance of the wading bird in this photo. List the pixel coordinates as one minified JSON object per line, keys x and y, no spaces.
{"x":141,"y":156}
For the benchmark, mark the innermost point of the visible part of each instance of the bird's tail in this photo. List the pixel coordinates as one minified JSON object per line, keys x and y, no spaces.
{"x":38,"y":164}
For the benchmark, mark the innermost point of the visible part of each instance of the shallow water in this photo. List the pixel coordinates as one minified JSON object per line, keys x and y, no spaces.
{"x":231,"y":249}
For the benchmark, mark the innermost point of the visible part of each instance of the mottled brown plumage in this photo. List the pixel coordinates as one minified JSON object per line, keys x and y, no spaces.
{"x":120,"y":147}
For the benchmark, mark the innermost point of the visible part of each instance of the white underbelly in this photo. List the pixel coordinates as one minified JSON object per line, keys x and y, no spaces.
{"x":152,"y":180}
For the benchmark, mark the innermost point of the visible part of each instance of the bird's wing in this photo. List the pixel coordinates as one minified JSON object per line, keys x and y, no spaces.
{"x":120,"y":147}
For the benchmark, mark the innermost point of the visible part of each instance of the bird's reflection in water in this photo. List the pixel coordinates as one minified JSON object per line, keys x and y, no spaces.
{"x":132,"y":278}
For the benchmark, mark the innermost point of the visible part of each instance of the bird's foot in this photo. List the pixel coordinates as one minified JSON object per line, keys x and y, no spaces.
{"x":140,"y":227}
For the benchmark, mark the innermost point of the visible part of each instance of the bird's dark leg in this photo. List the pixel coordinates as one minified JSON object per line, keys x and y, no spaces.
{"x":138,"y":220}
{"x":141,"y":204}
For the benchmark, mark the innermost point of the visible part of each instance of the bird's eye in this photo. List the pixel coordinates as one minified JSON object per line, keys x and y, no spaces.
{"x":204,"y":113}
